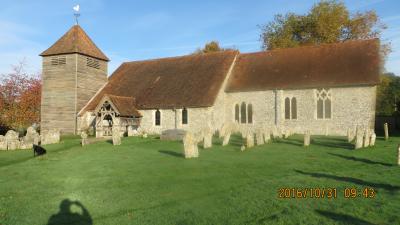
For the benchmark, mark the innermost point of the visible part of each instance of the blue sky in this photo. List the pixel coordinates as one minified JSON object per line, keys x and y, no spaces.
{"x":136,"y":30}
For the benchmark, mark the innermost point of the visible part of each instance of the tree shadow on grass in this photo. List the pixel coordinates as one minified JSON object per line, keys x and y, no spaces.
{"x":387,"y":187}
{"x":172,"y":153}
{"x":332,"y":142}
{"x":343,"y":218}
{"x":360,"y":159}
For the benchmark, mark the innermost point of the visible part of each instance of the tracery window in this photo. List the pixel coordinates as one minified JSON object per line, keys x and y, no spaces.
{"x":324,"y":103}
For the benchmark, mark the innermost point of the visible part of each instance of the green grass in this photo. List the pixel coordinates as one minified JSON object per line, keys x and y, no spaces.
{"x":147,"y":181}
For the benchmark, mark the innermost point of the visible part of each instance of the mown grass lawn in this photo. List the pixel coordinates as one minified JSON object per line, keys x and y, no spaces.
{"x":147,"y":181}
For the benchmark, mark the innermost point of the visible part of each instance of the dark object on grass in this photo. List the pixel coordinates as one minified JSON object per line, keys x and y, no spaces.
{"x":38,"y":150}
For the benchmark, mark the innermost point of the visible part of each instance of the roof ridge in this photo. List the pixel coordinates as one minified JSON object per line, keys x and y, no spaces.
{"x":311,"y":46}
{"x":182,"y":56}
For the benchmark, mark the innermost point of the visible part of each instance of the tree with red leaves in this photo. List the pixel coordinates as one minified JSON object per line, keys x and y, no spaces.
{"x":19,"y":98}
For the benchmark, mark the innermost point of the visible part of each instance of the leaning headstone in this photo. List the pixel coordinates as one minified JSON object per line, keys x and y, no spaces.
{"x":307,"y":138}
{"x":359,"y":140}
{"x":260,"y":137}
{"x":366,"y":138}
{"x":12,"y":140}
{"x":207,"y":140}
{"x":116,"y":137}
{"x":190,"y":146}
{"x":249,"y":140}
{"x":386,"y":128}
{"x":373,"y":139}
{"x":227,"y":136}
{"x":83,"y":138}
{"x":31,"y":138}
{"x":3,"y":143}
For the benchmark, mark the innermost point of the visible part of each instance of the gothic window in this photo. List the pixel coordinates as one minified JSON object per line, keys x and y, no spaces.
{"x":249,"y":113}
{"x":294,"y":108}
{"x":158,"y":118}
{"x":324,"y":104}
{"x":237,"y":113}
{"x":243,"y":113}
{"x":184,"y":116}
{"x":287,"y":108}
{"x":290,"y":108}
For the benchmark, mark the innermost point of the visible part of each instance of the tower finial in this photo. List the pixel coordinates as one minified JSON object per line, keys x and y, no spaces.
{"x":76,"y":13}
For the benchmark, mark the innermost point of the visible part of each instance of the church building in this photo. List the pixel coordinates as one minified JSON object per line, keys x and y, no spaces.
{"x":327,"y":88}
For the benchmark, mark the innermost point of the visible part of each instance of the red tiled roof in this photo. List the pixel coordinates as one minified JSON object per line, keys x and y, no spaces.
{"x":75,"y":41}
{"x":186,"y":81}
{"x":341,"y":64}
{"x":125,"y":105}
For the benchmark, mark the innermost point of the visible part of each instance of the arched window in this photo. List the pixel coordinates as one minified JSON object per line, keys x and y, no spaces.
{"x":243,"y":113}
{"x":324,"y":104}
{"x":249,"y":113}
{"x":237,"y":113}
{"x":287,"y":108}
{"x":294,"y":108}
{"x":184,"y":116}
{"x":158,"y":118}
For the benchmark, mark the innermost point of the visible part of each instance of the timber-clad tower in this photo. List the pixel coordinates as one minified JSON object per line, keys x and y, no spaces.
{"x":74,"y":69}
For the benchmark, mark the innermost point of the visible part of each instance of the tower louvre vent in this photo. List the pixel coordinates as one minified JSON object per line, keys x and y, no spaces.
{"x":58,"y":60}
{"x":94,"y":63}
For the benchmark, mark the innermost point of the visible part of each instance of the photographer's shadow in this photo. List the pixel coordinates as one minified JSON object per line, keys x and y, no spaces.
{"x":66,"y":216}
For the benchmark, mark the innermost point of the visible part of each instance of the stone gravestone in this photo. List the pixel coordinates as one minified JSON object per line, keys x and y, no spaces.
{"x":259,"y":137}
{"x":132,"y":132}
{"x":31,"y":137}
{"x":373,"y":139}
{"x":207,"y":141}
{"x":267,"y":136}
{"x":3,"y":143}
{"x":366,"y":138}
{"x":398,"y":155}
{"x":227,"y":136}
{"x":359,"y":140}
{"x":242,"y":148}
{"x":249,"y":140}
{"x":190,"y":146}
{"x":116,"y":137}
{"x":50,"y":137}
{"x":350,"y":136}
{"x":12,"y":140}
{"x":83,"y":138}
{"x":307,"y":138}
{"x":386,"y":129}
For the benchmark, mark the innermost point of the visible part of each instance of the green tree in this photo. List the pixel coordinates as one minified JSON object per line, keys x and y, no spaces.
{"x":388,"y":95}
{"x":212,"y":46}
{"x":328,"y":21}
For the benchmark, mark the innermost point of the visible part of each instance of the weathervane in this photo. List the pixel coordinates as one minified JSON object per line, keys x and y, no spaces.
{"x":76,"y":13}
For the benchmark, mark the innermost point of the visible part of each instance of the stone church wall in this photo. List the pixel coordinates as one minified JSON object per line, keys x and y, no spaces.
{"x":351,"y":106}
